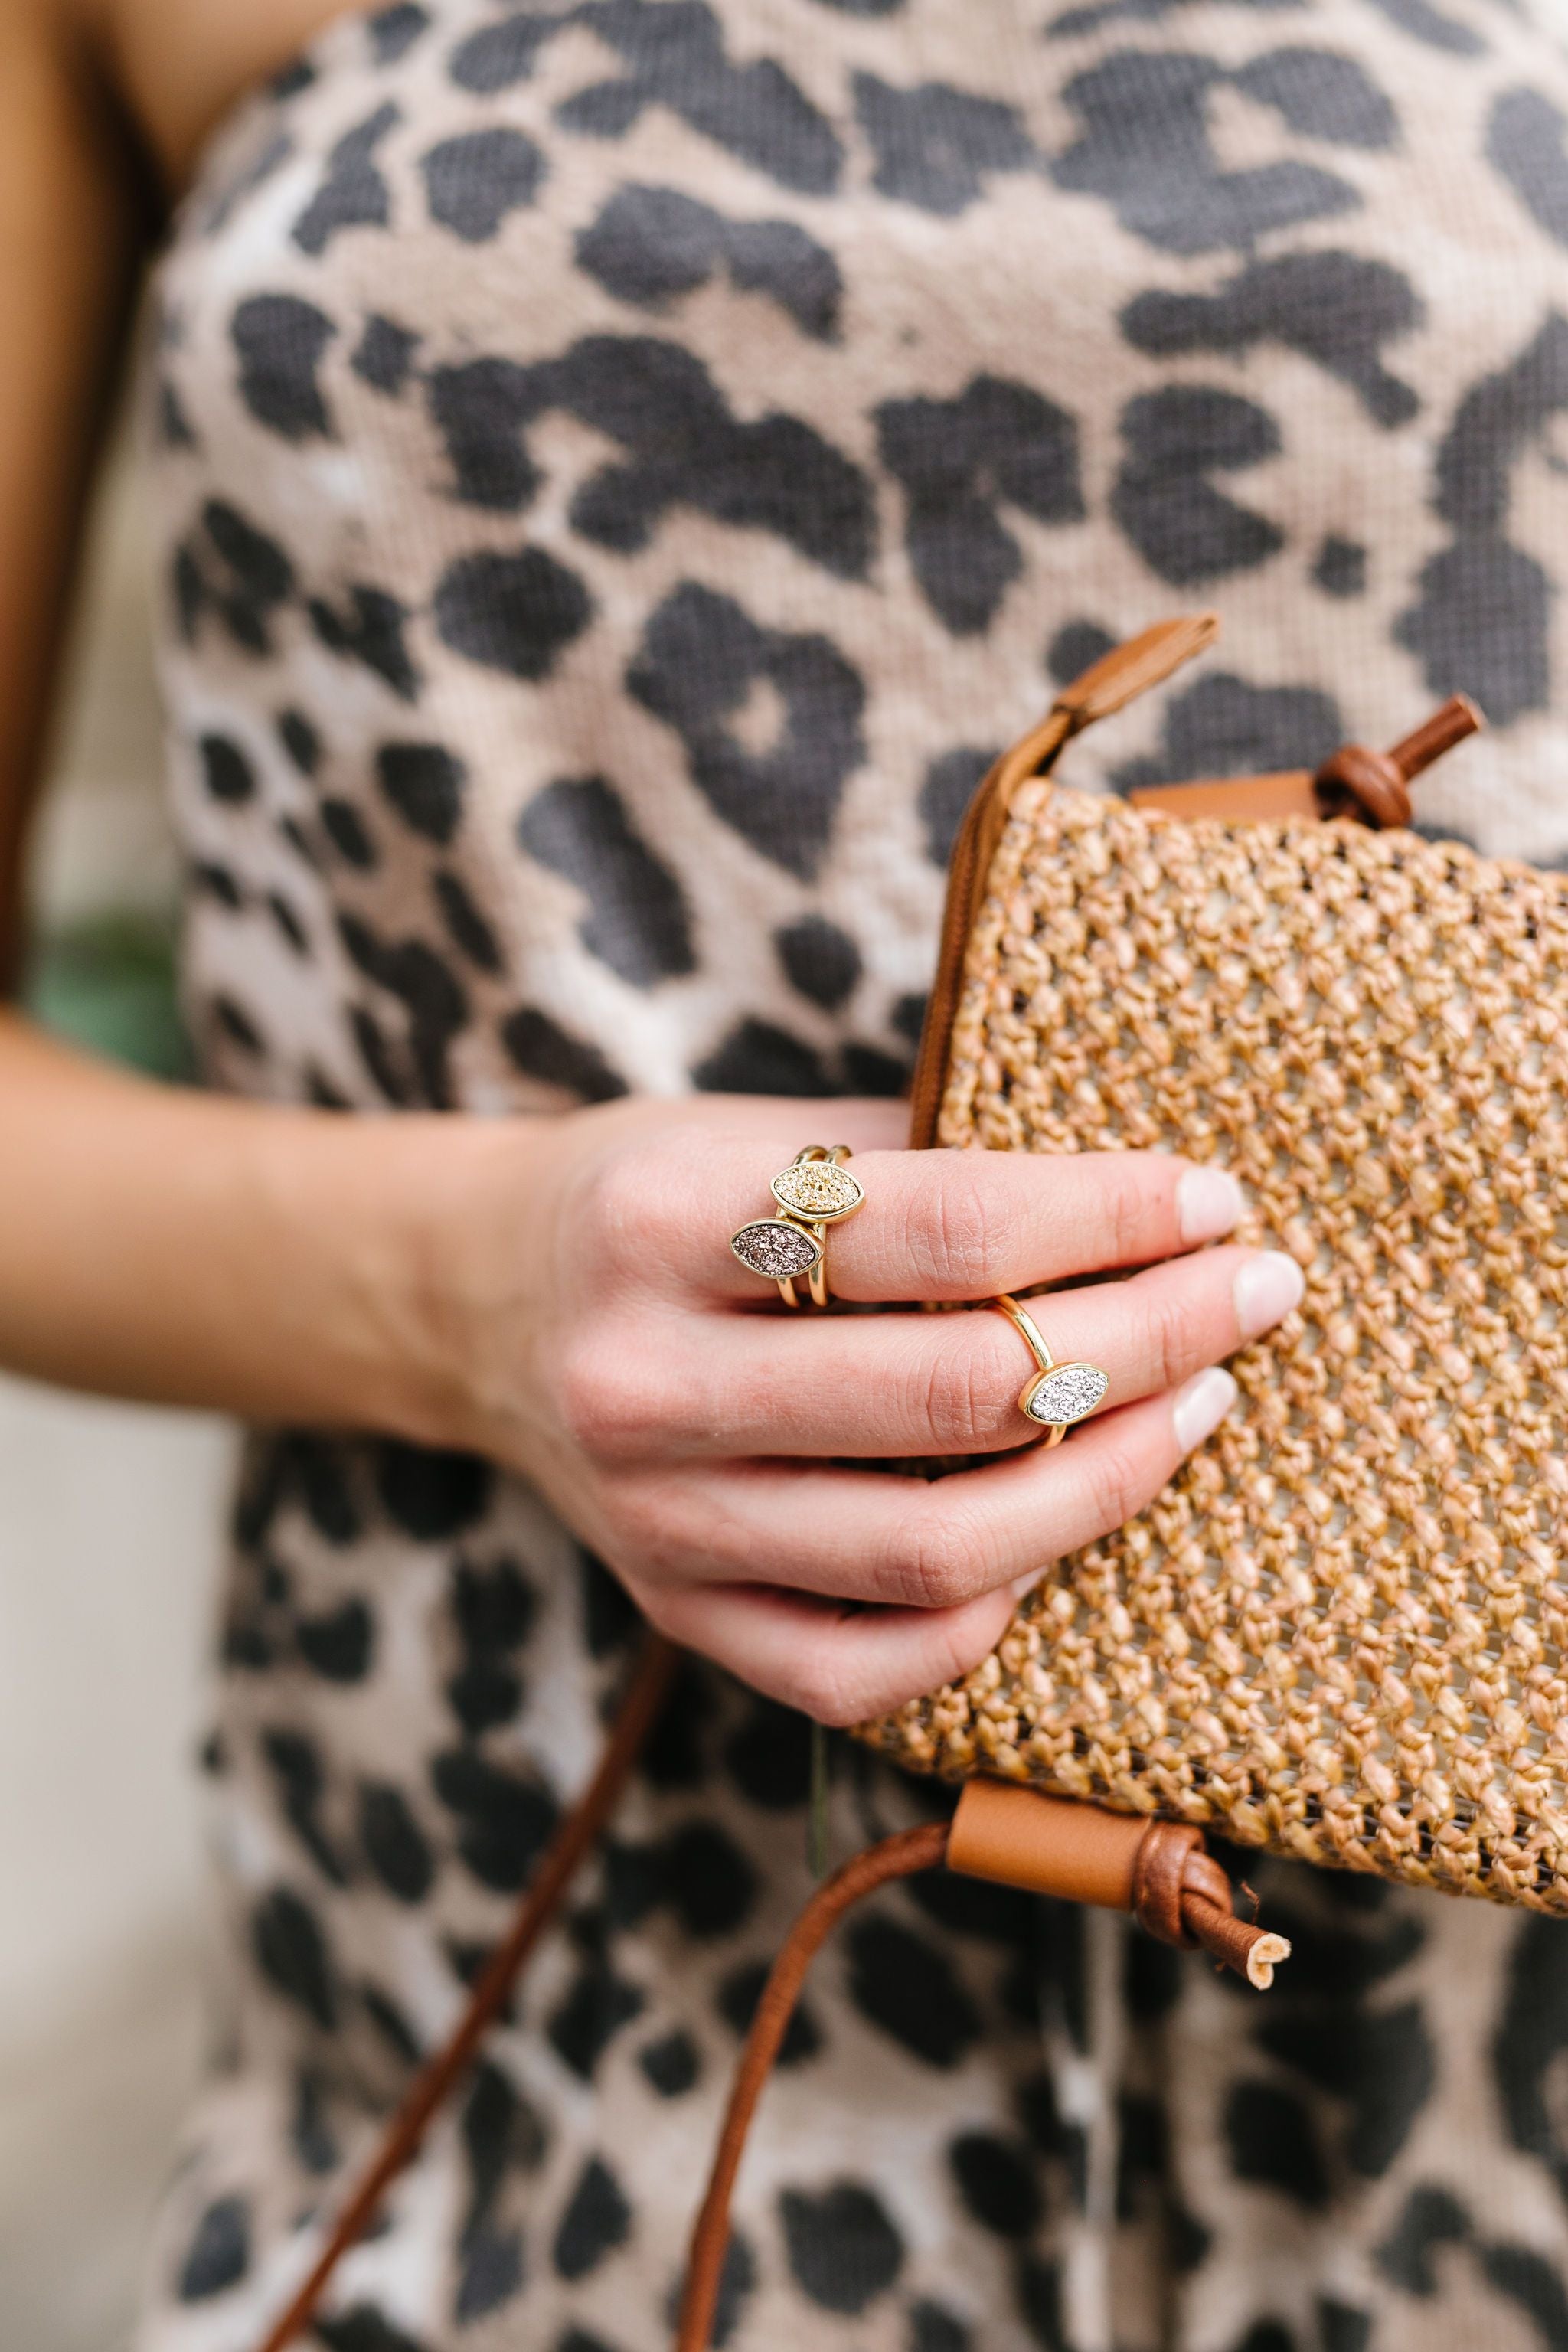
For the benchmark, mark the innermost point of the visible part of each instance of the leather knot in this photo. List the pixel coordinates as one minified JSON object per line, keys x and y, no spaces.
{"x":1367,"y":785}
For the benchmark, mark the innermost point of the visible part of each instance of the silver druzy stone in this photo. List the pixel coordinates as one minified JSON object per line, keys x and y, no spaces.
{"x":775,"y":1250}
{"x":1068,"y":1393}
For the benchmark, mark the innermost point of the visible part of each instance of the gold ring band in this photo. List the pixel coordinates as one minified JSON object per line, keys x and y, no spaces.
{"x":816,"y":1191}
{"x":1055,"y":1395}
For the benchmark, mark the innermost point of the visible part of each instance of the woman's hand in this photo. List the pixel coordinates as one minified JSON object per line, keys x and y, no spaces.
{"x":602,"y":1338}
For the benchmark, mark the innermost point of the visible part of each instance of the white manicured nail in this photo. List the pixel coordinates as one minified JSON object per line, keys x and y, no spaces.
{"x":1267,"y":1287}
{"x":1209,"y":1203}
{"x":1021,"y":1584}
{"x":1202,"y":1405}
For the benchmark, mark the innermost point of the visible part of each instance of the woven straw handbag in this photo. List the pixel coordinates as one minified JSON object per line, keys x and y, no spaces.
{"x":1339,"y":1632}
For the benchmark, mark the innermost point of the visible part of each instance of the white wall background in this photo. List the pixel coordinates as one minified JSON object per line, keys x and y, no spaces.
{"x":110,"y":1519}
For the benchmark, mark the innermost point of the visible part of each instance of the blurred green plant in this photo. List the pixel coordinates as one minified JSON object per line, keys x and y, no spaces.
{"x":109,"y":983}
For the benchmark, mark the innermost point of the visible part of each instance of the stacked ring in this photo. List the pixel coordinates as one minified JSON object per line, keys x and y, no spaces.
{"x":1055,"y":1395}
{"x":816,"y":1191}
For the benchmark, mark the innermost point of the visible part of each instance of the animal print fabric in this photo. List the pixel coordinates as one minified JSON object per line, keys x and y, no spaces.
{"x":623,"y":468}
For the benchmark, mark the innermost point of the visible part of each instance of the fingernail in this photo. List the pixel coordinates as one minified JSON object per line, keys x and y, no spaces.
{"x":1267,"y":1287}
{"x":1209,"y":1203}
{"x":1021,"y":1584}
{"x":1202,"y":1405}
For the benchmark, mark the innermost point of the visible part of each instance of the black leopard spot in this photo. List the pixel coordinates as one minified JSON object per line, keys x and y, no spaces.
{"x":500,"y":2128}
{"x":430,"y":1493}
{"x":1383,"y":2062}
{"x":542,"y":1049}
{"x":908,"y":1988}
{"x":434,"y":1000}
{"x":596,"y":2221}
{"x":649,"y":246}
{"x":675,"y":1753}
{"x":1529,"y":2280}
{"x":512,"y":612}
{"x":1223,"y":727}
{"x":1153,"y":1982}
{"x":467,"y":926}
{"x":595,"y":2006}
{"x":822,"y":961}
{"x":1142,"y":2155}
{"x":1269,"y":2135}
{"x":935,"y":146}
{"x":1527,"y":143}
{"x":236,"y":1026}
{"x":1430,"y":2218}
{"x":362,"y":2328}
{"x":1531,"y":2037}
{"x":950,"y":782}
{"x":769,"y":1757}
{"x":500,"y":54}
{"x":1338,"y":309}
{"x":394,"y":30}
{"x":288,"y":924}
{"x":219,"y":2252}
{"x":395,"y":1846}
{"x":1433,"y":25}
{"x":280,"y":340}
{"x":843,"y":2250}
{"x":378,"y":1057}
{"x":1040,"y":2291}
{"x":504,"y":1821}
{"x":494,"y":1606}
{"x":682,"y":445}
{"x":610,"y":1615}
{"x":736,"y":2282}
{"x":636,"y":921}
{"x":225,"y":771}
{"x":207,"y":878}
{"x":291,"y":1953}
{"x":297,"y":1764}
{"x":391,"y":2024}
{"x":425,"y":784}
{"x":490,"y":2275}
{"x":384,"y":355}
{"x":175,"y":427}
{"x":1341,"y":567}
{"x":1341,"y":2327}
{"x":484,"y":1693}
{"x":1167,"y":185}
{"x":675,"y":57}
{"x":309,"y":2134}
{"x":1267,"y":2335}
{"x":972,"y":1907}
{"x":998,"y":444}
{"x":868,"y":1071}
{"x":671,"y":2063}
{"x":707,"y":1879}
{"x":771,"y":721}
{"x":1184,"y":529}
{"x":1075,"y":648}
{"x":473,"y":181}
{"x":1321,"y":95}
{"x":907,"y":1017}
{"x":352,"y":193}
{"x":344,"y":828}
{"x":1481,"y":624}
{"x":372,"y":631}
{"x":737,"y":1999}
{"x":758,"y":1059}
{"x":996,"y":2182}
{"x":933,"y":2329}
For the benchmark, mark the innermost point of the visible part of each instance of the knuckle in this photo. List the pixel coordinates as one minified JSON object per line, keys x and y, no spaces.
{"x":1169,"y":1337}
{"x":613,"y":1404}
{"x":1125,"y":1207}
{"x":966,"y":1400}
{"x":1118,"y":1480}
{"x":956,"y":1234}
{"x":934,"y":1563}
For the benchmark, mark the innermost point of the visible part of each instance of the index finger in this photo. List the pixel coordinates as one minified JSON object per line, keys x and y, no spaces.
{"x":964,"y":1224}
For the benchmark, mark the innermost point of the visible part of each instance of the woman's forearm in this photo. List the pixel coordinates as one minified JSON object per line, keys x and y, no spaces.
{"x":272,"y":1262}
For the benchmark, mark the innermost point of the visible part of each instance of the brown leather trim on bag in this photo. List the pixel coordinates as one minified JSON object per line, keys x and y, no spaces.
{"x":1127,"y":671}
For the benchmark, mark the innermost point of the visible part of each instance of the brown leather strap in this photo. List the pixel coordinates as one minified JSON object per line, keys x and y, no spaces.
{"x":895,"y":1857}
{"x":578,"y":1832}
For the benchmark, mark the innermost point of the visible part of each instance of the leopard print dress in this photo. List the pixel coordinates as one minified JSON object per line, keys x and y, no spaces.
{"x":623,"y":465}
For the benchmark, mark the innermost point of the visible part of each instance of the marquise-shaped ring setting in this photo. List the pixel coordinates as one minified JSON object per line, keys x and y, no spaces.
{"x":1067,"y":1392}
{"x":821,"y":1191}
{"x":776,"y":1249}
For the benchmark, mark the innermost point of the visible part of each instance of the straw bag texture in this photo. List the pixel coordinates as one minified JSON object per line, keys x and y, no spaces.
{"x":1340,"y":1631}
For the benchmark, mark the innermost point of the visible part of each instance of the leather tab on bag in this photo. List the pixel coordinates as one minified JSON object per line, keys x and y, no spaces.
{"x":1130,"y":669}
{"x":1052,"y":1845}
{"x":1238,"y":800}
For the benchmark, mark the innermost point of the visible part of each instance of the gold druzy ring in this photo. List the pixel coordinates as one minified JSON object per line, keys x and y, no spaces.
{"x":816,"y":1191}
{"x":1055,"y":1395}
